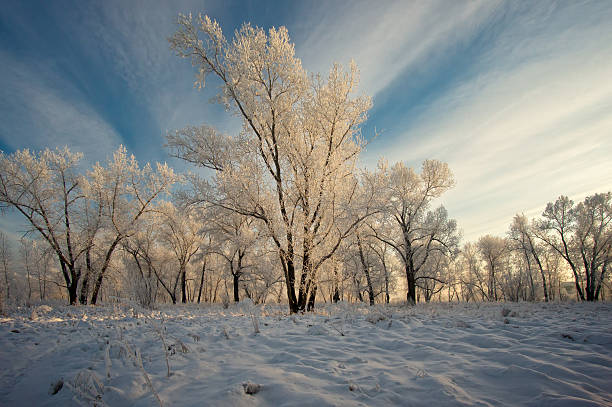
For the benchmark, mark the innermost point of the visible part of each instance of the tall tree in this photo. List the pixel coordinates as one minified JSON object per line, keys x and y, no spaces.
{"x":237,"y":235}
{"x":416,"y":232}
{"x":181,"y":233}
{"x":555,"y":229}
{"x":594,"y":240}
{"x":474,"y":282}
{"x":582,"y":235}
{"x":151,"y":258}
{"x":522,"y":234}
{"x":46,"y":189}
{"x":26,"y":249}
{"x":291,"y":166}
{"x":125,"y":192}
{"x":492,"y":250}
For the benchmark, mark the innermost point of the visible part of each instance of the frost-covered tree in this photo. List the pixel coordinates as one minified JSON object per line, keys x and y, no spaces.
{"x":492,"y":249}
{"x":555,"y":229}
{"x":474,"y":281}
{"x":151,"y":260}
{"x":521,"y":233}
{"x":46,"y":189}
{"x":582,"y":235}
{"x":594,"y":241}
{"x":91,"y":221}
{"x":202,"y":257}
{"x":555,"y":269}
{"x":36,"y":259}
{"x":124,"y":192}
{"x":371,"y":261}
{"x":386,"y":260}
{"x":414,"y":231}
{"x":180,"y":232}
{"x":513,"y":276}
{"x":435,"y":276}
{"x":290,"y":166}
{"x":237,"y":238}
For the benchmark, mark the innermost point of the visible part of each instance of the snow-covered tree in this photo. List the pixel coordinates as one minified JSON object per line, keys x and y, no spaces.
{"x":492,"y":249}
{"x":594,"y":241}
{"x":237,"y":237}
{"x":434,"y":277}
{"x":414,"y":231}
{"x":474,"y":282}
{"x":180,"y":232}
{"x":124,"y":192}
{"x":521,"y":233}
{"x":582,"y":235}
{"x":290,"y":166}
{"x":46,"y":189}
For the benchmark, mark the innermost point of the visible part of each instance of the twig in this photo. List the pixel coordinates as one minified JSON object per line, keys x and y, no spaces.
{"x":138,"y":361}
{"x":107,"y":360}
{"x":161,"y":335}
{"x":146,"y":376}
{"x":337,"y":330}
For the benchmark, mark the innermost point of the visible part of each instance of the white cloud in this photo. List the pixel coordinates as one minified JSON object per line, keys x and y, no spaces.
{"x":532,"y":124}
{"x":134,"y":37}
{"x":40,"y":115}
{"x":385,"y":38}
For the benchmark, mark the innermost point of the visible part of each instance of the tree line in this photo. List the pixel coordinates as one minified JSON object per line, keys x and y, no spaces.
{"x":284,"y":213}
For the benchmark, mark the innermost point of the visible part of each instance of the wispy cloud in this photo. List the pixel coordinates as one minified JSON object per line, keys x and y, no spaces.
{"x":385,"y":38}
{"x":532,"y":123}
{"x":515,"y":96}
{"x":134,"y":37}
{"x":41,"y":109}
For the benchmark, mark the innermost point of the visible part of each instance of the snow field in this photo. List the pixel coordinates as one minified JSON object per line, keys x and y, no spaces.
{"x":433,"y":354}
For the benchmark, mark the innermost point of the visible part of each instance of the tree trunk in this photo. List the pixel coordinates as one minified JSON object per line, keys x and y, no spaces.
{"x":539,"y":263}
{"x":84,"y":289}
{"x":291,"y":298}
{"x":601,"y":280}
{"x":366,"y":271}
{"x":29,"y":282}
{"x":387,"y":297}
{"x":312,"y":298}
{"x":88,"y":273}
{"x":305,"y":277}
{"x":336,"y":296}
{"x":72,"y":288}
{"x":236,"y":278}
{"x":411,"y":281}
{"x":183,"y":271}
{"x":530,"y":275}
{"x":201,"y":280}
{"x":109,"y":254}
{"x":72,"y":279}
{"x":357,"y":285}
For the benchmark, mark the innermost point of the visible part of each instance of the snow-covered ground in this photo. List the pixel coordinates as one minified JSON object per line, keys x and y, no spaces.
{"x":428,"y":355}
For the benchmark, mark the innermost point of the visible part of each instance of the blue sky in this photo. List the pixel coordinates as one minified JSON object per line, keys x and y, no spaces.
{"x":515,"y":96}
